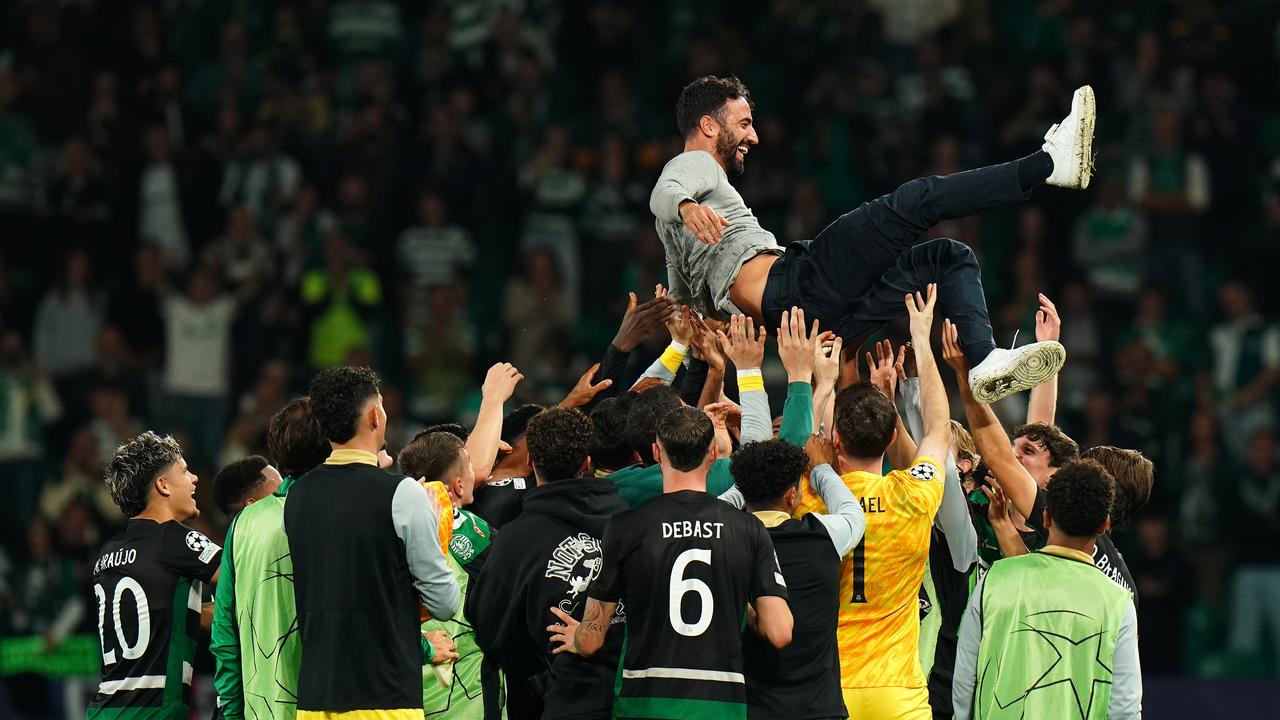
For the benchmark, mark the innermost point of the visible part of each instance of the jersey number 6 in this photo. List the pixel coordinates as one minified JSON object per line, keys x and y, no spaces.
{"x":680,"y":585}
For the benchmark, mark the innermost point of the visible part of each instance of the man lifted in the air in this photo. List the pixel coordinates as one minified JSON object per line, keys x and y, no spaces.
{"x":854,"y":274}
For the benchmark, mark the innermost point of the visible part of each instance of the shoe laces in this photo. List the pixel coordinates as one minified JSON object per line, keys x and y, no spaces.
{"x":1015,"y":338}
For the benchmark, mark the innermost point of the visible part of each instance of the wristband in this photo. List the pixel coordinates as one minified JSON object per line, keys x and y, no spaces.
{"x":750,"y":379}
{"x":673,"y":356}
{"x":429,"y":649}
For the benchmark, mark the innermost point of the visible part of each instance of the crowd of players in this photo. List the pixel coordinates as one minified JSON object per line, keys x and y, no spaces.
{"x":593,"y":559}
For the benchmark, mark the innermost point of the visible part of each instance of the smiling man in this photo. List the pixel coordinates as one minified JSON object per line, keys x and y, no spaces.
{"x":853,"y":275}
{"x":148,"y":581}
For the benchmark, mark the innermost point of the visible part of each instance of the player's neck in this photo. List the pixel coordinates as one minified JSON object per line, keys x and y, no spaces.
{"x":875,"y":466}
{"x":362,"y":441}
{"x":157,"y":513}
{"x":676,"y":480}
{"x":691,"y":145}
{"x":1082,"y":544}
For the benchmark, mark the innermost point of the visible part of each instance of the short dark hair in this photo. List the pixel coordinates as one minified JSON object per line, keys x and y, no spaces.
{"x":707,"y":96}
{"x":516,"y":422}
{"x":646,"y":411}
{"x":337,"y":395}
{"x":559,"y":442}
{"x":1061,"y":448}
{"x":294,"y":439}
{"x":134,"y":468}
{"x":457,"y":430}
{"x":233,"y":482}
{"x":1134,"y":475}
{"x":865,"y":419}
{"x":609,"y":446}
{"x":763,"y":471}
{"x":433,"y":457}
{"x":685,"y":435}
{"x":1079,"y":497}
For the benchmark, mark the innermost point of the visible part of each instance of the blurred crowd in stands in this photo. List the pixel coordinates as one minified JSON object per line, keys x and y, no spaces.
{"x":203,"y":202}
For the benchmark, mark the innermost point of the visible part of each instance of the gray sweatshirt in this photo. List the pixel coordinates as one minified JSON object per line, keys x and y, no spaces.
{"x":700,"y":275}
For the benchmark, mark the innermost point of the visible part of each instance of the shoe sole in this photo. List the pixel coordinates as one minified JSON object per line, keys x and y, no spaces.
{"x":1038,"y":365}
{"x":1084,"y":139}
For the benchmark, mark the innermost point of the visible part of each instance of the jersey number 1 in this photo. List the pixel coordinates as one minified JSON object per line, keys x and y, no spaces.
{"x":859,"y":572}
{"x":139,"y":646}
{"x":680,"y":586}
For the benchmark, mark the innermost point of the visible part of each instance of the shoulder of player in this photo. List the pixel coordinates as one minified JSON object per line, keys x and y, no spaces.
{"x":922,"y":469}
{"x":692,"y":160}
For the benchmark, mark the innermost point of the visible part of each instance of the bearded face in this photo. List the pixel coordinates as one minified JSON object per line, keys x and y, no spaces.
{"x":732,"y":147}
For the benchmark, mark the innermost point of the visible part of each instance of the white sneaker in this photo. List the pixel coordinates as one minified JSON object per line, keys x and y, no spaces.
{"x":1007,"y":372}
{"x":1070,"y":143}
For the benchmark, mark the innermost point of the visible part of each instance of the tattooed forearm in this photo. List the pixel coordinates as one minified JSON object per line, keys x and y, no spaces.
{"x":595,"y":624}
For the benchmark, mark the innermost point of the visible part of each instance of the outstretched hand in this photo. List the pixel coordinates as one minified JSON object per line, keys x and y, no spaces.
{"x":744,"y":345}
{"x":500,"y":382}
{"x":705,"y":223}
{"x":642,"y":320}
{"x":796,"y":346}
{"x":884,"y":371}
{"x":920,"y":309}
{"x":584,"y":391}
{"x":826,"y":359}
{"x":952,"y":353}
{"x":706,"y":347}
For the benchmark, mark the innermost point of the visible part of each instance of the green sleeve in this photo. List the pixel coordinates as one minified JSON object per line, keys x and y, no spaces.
{"x":797,"y":414}
{"x":719,"y":479}
{"x":224,"y":641}
{"x":639,"y":485}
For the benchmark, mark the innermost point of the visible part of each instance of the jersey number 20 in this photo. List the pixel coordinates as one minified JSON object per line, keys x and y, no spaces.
{"x":139,"y":646}
{"x":680,"y":585}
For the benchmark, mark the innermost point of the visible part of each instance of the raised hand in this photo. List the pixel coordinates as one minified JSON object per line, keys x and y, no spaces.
{"x":884,"y":371}
{"x":500,"y":382}
{"x":744,"y":345}
{"x":680,"y":325}
{"x":642,"y":320}
{"x":1048,"y":324}
{"x":706,"y":347}
{"x":724,"y":414}
{"x":952,"y":353}
{"x":584,"y":391}
{"x":920,"y":308}
{"x":820,"y":451}
{"x":906,"y":363}
{"x":826,"y":359}
{"x":705,"y":223}
{"x":796,"y":346}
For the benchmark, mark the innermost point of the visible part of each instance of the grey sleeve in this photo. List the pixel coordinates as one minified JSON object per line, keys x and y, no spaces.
{"x":733,"y":496}
{"x":844,"y":519}
{"x":690,"y":176}
{"x":659,"y":371}
{"x":953,"y":516}
{"x":1126,"y":673}
{"x":757,"y":425}
{"x":966,"y":673}
{"x":418,"y":528}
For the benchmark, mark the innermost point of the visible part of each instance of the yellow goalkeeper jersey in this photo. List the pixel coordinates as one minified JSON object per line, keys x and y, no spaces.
{"x":879,"y":630}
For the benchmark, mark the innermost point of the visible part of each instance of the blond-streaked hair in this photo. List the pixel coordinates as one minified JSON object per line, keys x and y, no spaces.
{"x":966,"y":448}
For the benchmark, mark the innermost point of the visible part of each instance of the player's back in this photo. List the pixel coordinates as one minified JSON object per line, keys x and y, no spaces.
{"x":879,"y":630}
{"x":148,"y":582}
{"x":686,"y":566}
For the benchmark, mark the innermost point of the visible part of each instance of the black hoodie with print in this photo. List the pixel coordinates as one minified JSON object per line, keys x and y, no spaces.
{"x":547,"y":557}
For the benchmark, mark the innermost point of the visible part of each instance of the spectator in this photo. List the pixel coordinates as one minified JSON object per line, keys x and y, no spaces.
{"x":433,"y":252}
{"x":68,"y":319}
{"x":300,"y":233}
{"x":19,"y":152}
{"x":196,"y":376}
{"x":32,"y":404}
{"x":161,"y":221}
{"x":537,"y":311}
{"x":1165,"y":583}
{"x":1110,"y":242}
{"x":244,"y":254}
{"x":440,"y":342}
{"x":80,"y":482}
{"x":1255,"y":593}
{"x":1245,"y":365}
{"x":135,"y":308}
{"x":261,"y":178}
{"x":110,"y":421}
{"x":340,"y":299}
{"x":79,"y":194}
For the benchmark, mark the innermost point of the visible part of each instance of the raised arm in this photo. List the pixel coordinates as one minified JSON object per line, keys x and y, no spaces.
{"x":706,"y":346}
{"x":826,"y":372}
{"x":499,"y":384}
{"x":844,"y":519}
{"x":884,"y":375}
{"x":988,"y":434}
{"x":933,"y":396}
{"x":744,"y":346}
{"x":1043,"y":405}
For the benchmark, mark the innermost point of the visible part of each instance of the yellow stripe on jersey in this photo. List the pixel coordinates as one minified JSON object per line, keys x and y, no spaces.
{"x":879,"y":629}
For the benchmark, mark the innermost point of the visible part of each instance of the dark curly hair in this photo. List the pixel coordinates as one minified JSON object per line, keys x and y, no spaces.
{"x":432,"y":457}
{"x":337,"y":396}
{"x":294,"y":439}
{"x":685,"y":435}
{"x":707,"y":96}
{"x":609,"y":447}
{"x":1061,"y":448}
{"x":134,"y":468}
{"x":233,"y":483}
{"x":1134,"y":475}
{"x":763,"y":471}
{"x":646,"y":411}
{"x":559,"y":442}
{"x":865,"y":419}
{"x":1079,"y":497}
{"x":516,"y":422}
